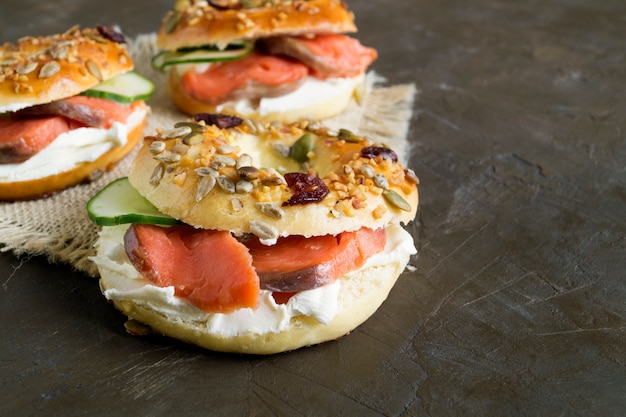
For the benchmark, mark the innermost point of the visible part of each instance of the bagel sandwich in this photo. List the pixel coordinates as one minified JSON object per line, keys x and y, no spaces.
{"x":70,"y":108}
{"x":280,"y":60}
{"x":253,"y":237}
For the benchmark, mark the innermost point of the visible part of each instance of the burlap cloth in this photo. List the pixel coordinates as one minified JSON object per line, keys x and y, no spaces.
{"x":58,"y":228}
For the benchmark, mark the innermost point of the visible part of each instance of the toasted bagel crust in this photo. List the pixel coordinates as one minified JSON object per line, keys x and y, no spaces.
{"x":40,"y":187}
{"x":196,"y":23}
{"x":174,"y":180}
{"x":36,"y":70}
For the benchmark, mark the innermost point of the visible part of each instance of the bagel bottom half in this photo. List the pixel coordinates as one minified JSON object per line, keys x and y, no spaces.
{"x":41,"y":187}
{"x":360,"y":293}
{"x":329,"y":104}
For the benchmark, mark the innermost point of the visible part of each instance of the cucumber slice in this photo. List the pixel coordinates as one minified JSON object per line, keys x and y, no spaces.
{"x":124,"y":88}
{"x":119,"y":203}
{"x":186,"y":56}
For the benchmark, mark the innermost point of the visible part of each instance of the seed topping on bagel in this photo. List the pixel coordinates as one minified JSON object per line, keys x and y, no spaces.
{"x":276,"y":168}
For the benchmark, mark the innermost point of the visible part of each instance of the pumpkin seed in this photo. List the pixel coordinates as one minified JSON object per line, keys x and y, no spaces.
{"x":205,"y":186}
{"x":263,"y":230}
{"x":49,"y":69}
{"x":396,"y":200}
{"x":299,"y":151}
{"x":348,"y":136}
{"x":195,"y":127}
{"x":177,"y":132}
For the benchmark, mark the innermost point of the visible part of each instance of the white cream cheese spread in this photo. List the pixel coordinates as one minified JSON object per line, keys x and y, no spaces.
{"x":321,"y":304}
{"x":72,"y":148}
{"x":312,"y":92}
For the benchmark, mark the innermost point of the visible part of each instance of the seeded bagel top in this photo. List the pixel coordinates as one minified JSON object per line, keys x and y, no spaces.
{"x":37,"y":70}
{"x":193,"y":23}
{"x":272,"y":179}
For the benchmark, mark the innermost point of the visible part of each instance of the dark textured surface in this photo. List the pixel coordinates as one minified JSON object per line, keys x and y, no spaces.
{"x":518,"y":303}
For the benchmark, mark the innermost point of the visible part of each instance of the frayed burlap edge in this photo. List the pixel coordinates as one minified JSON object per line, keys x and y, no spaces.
{"x":57,"y":227}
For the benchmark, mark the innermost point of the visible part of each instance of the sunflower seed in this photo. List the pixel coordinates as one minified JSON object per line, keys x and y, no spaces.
{"x":236,"y":204}
{"x":60,"y":51}
{"x":224,"y":161}
{"x":157,"y":174}
{"x":204,"y":171}
{"x":411,"y":176}
{"x":180,"y":148}
{"x":94,"y":69}
{"x":49,"y":69}
{"x":263,"y":230}
{"x":243,"y":187}
{"x":226,"y":149}
{"x":381,"y":181}
{"x":273,"y":181}
{"x":156,"y":147}
{"x":281,"y":149}
{"x":205,"y":186}
{"x":367,"y":171}
{"x":167,"y":156}
{"x":244,"y":160}
{"x":270,"y":209}
{"x":248,"y":173}
{"x":226,"y":184}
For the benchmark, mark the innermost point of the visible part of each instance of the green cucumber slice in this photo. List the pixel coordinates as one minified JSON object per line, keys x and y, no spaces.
{"x":186,"y":56}
{"x":124,"y":88}
{"x":119,"y":203}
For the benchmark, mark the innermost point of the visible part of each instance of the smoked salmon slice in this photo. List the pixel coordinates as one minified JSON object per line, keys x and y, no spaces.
{"x":22,"y":138}
{"x":212,"y":269}
{"x":88,"y":111}
{"x":296,"y":263}
{"x":218,"y":273}
{"x":344,"y":53}
{"x":248,"y":75}
{"x":28,"y":131}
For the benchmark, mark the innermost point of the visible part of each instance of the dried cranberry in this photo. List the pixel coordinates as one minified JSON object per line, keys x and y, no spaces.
{"x":223,"y":121}
{"x":110,"y":34}
{"x":307,"y":188}
{"x":372,"y":152}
